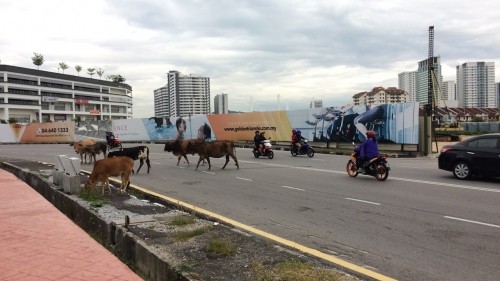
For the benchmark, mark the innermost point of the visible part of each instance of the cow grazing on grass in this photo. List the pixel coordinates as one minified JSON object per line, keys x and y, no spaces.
{"x":214,"y":149}
{"x":179,"y":148}
{"x":110,"y":167}
{"x":135,"y":153}
{"x":78,"y":147}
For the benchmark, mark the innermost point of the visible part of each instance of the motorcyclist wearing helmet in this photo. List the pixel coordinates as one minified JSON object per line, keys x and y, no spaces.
{"x":367,"y":150}
{"x":298,"y":139}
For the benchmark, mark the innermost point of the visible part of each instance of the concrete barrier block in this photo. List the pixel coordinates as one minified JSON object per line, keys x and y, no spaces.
{"x":59,"y":163}
{"x":71,"y":184}
{"x":57,"y":177}
{"x":72,"y":167}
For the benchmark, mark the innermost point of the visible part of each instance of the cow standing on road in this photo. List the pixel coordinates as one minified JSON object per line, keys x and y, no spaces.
{"x":136,"y":153}
{"x":215,"y":149}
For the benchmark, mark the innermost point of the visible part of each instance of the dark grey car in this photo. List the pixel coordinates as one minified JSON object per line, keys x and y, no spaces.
{"x":479,"y":155}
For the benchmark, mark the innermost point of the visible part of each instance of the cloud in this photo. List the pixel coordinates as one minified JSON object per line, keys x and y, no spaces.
{"x":251,"y":50}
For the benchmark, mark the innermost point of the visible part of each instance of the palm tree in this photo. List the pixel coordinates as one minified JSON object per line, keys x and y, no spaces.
{"x":37,"y":59}
{"x":78,"y":69}
{"x":100,"y":72}
{"x":63,"y":66}
{"x":90,"y":71}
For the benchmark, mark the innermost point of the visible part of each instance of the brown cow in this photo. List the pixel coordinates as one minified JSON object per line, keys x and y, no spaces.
{"x":97,"y":148}
{"x":215,"y":149}
{"x":111,"y":167}
{"x":77,"y":146}
{"x":180,"y":149}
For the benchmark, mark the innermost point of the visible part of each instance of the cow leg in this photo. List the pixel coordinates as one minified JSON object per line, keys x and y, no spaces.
{"x":185,"y":157}
{"x":179,"y":160}
{"x":199,"y":160}
{"x":148,"y":163}
{"x":236,"y":161}
{"x":125,"y":181}
{"x":227,"y":161}
{"x":141,"y":162}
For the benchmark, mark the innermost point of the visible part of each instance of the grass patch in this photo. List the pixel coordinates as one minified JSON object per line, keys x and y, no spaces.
{"x":185,"y":235}
{"x":294,"y":270}
{"x":221,"y":247}
{"x":95,"y":198}
{"x":182,"y":220}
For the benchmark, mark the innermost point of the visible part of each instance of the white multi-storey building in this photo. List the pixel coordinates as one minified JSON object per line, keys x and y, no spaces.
{"x":422,"y":79}
{"x":497,"y":90}
{"x":30,"y":95}
{"x":476,"y":85}
{"x":221,"y":104}
{"x":184,"y":95}
{"x":407,"y":81}
{"x":379,"y":95}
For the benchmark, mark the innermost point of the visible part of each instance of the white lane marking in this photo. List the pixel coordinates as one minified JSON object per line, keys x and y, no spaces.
{"x":363,"y":201}
{"x":244,"y":179}
{"x":156,"y":163}
{"x":476,"y":222}
{"x":210,"y":173}
{"x":391,"y":178}
{"x":290,"y":187}
{"x":448,"y":184}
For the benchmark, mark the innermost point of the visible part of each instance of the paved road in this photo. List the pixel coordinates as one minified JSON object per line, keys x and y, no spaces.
{"x":420,"y":224}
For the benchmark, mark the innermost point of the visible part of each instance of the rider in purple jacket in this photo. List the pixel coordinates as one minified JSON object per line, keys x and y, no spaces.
{"x":367,"y":150}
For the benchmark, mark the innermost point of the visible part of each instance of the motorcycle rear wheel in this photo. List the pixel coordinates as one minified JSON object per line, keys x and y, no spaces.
{"x":256,"y":154}
{"x":352,"y":169}
{"x":270,"y":155}
{"x":381,"y":172}
{"x":294,"y":151}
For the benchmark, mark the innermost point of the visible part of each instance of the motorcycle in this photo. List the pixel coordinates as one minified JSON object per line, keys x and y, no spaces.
{"x":377,"y":167}
{"x":305,"y":148}
{"x":114,"y":143}
{"x":268,"y":150}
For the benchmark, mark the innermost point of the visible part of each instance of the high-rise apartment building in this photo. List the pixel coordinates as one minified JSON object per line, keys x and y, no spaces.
{"x":184,"y":95}
{"x":161,"y":102}
{"x":28,"y":95}
{"x":407,"y":81}
{"x":497,"y":90}
{"x":220,"y":104}
{"x":448,"y":90}
{"x":476,"y":85}
{"x":422,"y":79}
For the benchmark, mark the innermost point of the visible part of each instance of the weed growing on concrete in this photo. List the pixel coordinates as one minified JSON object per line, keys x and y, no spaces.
{"x":94,"y":198}
{"x":294,"y":270}
{"x":182,"y":220}
{"x":221,"y":247}
{"x":185,"y":235}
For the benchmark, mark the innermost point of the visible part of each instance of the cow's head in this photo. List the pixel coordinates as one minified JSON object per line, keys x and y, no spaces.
{"x":90,"y":184}
{"x":168,"y":147}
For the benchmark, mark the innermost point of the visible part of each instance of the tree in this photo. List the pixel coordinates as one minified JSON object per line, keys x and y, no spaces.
{"x":100,"y":72}
{"x":90,"y":71}
{"x":78,"y":69}
{"x":63,"y":66}
{"x":116,"y":78}
{"x":37,"y":59}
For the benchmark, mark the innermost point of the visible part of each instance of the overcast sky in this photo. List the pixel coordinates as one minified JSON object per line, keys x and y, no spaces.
{"x":251,"y":50}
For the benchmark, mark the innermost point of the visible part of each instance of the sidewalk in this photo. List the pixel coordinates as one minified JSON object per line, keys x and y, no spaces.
{"x":38,"y":242}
